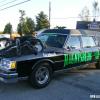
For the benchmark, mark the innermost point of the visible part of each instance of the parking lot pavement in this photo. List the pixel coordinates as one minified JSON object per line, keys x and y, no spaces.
{"x":73,"y":85}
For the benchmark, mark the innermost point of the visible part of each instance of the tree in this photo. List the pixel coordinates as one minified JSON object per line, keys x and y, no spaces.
{"x":21,"y":22}
{"x":95,"y":9}
{"x":84,"y":15}
{"x":19,"y":29}
{"x":42,"y":21}
{"x":29,"y":26}
{"x":8,"y":28}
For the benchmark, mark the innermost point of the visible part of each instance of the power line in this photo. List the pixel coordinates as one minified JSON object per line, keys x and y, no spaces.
{"x":14,"y":5}
{"x":3,"y":1}
{"x":74,"y":17}
{"x":8,"y":3}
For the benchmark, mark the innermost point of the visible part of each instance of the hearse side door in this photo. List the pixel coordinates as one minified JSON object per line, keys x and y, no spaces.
{"x":72,"y":51}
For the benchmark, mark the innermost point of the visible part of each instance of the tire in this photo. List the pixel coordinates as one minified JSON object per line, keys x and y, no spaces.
{"x":98,"y":65}
{"x":41,"y":75}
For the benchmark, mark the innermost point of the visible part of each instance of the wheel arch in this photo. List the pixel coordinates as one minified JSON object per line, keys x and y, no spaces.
{"x":42,"y":61}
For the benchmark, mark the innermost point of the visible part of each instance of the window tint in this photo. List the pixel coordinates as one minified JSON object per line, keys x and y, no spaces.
{"x":53,"y":40}
{"x":88,"y":42}
{"x":73,"y":42}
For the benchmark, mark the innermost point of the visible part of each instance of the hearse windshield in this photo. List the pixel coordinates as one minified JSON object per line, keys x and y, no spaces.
{"x":53,"y":39}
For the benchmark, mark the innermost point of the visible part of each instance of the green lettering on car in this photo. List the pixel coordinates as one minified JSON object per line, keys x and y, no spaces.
{"x":80,"y":57}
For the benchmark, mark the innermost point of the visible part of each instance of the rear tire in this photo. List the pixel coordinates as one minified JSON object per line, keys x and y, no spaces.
{"x":41,"y":75}
{"x":98,"y":65}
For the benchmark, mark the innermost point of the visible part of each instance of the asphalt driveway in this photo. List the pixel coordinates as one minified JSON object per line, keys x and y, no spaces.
{"x":73,"y":85}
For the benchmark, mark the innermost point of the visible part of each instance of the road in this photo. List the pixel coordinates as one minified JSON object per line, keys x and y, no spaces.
{"x":73,"y":85}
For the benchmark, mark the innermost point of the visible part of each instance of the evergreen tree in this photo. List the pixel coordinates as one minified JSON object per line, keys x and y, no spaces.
{"x":42,"y":21}
{"x":29,"y":26}
{"x":21,"y":22}
{"x":8,"y":28}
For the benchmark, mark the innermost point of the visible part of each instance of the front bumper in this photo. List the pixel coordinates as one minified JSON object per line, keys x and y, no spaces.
{"x":8,"y":77}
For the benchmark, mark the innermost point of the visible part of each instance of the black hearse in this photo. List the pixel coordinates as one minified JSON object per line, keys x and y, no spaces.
{"x":53,"y":50}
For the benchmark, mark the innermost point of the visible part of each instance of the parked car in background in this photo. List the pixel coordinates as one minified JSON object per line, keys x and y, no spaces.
{"x":53,"y":50}
{"x":5,"y":35}
{"x":4,"y":38}
{"x":4,"y":42}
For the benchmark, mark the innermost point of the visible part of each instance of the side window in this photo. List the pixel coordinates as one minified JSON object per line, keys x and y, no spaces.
{"x":73,"y":42}
{"x":88,"y":42}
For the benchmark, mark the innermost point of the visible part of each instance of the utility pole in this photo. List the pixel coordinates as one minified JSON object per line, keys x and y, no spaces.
{"x":49,"y":14}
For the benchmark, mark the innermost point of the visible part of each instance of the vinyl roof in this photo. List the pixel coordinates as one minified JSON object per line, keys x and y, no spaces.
{"x":72,"y":31}
{"x":63,"y":31}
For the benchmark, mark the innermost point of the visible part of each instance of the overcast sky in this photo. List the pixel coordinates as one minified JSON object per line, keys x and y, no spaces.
{"x":61,"y":11}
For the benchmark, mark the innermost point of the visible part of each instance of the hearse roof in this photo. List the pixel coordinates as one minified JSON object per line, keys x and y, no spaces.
{"x":62,"y":31}
{"x":71,"y":31}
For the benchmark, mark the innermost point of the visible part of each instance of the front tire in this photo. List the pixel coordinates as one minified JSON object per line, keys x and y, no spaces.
{"x":41,"y":75}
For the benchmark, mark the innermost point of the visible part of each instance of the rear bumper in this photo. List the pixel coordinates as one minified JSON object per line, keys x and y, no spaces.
{"x":8,"y":77}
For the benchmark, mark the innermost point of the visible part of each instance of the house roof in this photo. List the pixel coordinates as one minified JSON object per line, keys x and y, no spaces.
{"x":88,"y":25}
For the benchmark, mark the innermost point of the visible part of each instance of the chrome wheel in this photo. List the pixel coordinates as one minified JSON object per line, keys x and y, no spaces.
{"x":42,"y":75}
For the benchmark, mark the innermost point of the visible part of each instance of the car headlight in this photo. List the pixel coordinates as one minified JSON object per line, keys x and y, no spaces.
{"x":7,"y":64}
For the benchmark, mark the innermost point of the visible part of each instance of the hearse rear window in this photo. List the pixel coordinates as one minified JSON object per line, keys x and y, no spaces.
{"x":73,"y":42}
{"x":88,"y":42}
{"x":53,"y":39}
